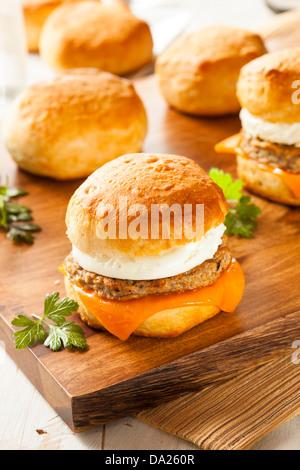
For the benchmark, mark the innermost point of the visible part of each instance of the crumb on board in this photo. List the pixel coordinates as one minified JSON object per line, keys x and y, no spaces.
{"x":41,"y":431}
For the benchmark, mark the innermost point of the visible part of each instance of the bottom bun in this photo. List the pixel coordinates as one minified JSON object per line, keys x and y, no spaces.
{"x":164,"y":324}
{"x":264,"y":183}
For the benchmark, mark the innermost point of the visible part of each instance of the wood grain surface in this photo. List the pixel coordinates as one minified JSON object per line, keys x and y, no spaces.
{"x":235,"y":414}
{"x":113,"y":379}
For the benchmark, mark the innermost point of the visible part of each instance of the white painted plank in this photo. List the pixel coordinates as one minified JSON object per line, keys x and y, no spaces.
{"x":131,"y":433}
{"x":27,"y":421}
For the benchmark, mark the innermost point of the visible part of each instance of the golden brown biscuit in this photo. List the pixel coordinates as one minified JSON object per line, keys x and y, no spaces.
{"x":197,"y":74}
{"x":35,"y":14}
{"x":108,"y":37}
{"x":68,"y":127}
{"x":265,"y":86}
{"x":265,"y":183}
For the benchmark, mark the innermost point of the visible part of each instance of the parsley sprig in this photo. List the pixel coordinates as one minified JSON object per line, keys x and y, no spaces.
{"x":15,"y":218}
{"x":242,"y":214}
{"x":57,"y":332}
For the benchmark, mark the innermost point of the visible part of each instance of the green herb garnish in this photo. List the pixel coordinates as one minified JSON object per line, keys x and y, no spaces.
{"x":52,"y":328}
{"x":12,"y":216}
{"x":242,"y":213}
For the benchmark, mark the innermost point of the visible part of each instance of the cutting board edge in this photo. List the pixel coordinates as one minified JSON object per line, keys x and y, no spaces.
{"x":220,"y":362}
{"x":165,"y":380}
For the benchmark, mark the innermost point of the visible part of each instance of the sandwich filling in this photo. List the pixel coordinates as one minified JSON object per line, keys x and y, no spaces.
{"x":123,"y":289}
{"x":278,"y":132}
{"x":176,"y":260}
{"x":274,"y":144}
{"x":286,"y":157}
{"x":123,"y":318}
{"x":283,"y":160}
{"x":121,"y":306}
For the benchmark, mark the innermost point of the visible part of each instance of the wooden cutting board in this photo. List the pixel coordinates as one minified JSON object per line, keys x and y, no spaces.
{"x":113,"y":378}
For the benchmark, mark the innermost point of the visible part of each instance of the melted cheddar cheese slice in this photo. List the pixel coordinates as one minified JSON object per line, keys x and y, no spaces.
{"x":232,"y":145}
{"x":229,"y":145}
{"x":121,"y":318}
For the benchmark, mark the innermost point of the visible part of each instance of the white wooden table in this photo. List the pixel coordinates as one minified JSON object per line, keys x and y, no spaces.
{"x":26,"y":419}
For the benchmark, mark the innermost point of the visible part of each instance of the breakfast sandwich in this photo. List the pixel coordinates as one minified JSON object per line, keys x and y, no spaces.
{"x":268,"y":146}
{"x":149,"y":256}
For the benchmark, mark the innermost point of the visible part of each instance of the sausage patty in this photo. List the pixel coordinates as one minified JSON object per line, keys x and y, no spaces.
{"x":121,"y":289}
{"x":286,"y":157}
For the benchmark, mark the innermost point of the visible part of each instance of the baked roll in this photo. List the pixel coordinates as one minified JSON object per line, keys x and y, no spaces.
{"x":89,"y":34}
{"x":35,"y":14}
{"x":197,"y":73}
{"x":68,"y":127}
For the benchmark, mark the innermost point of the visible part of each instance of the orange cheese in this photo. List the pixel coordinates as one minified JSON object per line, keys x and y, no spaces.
{"x":232,"y":145}
{"x":229,"y":145}
{"x":121,"y":318}
{"x":292,"y":180}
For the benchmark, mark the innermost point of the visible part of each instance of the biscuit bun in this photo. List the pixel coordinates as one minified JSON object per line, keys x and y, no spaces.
{"x":265,"y":86}
{"x":35,"y":14}
{"x":147,"y":179}
{"x":264,"y":183}
{"x":165,"y":324}
{"x":67,"y":127}
{"x":89,"y":34}
{"x":197,"y":73}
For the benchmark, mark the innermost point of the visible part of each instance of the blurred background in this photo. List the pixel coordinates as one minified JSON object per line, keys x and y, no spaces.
{"x":166,"y":18}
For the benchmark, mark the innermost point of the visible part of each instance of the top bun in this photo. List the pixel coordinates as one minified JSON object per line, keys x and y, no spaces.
{"x":89,"y":34}
{"x":147,"y":179}
{"x":266,"y":86}
{"x":197,"y":74}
